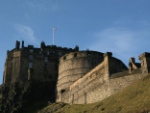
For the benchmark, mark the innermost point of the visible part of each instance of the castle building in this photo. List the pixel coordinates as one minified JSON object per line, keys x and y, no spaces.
{"x":107,"y":78}
{"x":80,"y":76}
{"x":30,"y":63}
{"x":74,"y":66}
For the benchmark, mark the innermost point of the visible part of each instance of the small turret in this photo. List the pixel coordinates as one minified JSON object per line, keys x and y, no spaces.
{"x":76,"y":48}
{"x":17,"y":45}
{"x":145,"y":62}
{"x":42,"y":45}
{"x":22,"y":44}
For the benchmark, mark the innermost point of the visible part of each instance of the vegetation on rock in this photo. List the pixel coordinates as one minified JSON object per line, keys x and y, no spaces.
{"x":25,"y":96}
{"x":29,"y":97}
{"x":133,"y":99}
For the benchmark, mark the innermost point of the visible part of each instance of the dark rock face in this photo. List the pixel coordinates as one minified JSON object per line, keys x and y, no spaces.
{"x":25,"y":97}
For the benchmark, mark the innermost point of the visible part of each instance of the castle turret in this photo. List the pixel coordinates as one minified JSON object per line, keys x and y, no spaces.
{"x":107,"y":57}
{"x":74,"y":66}
{"x":133,"y":65}
{"x":43,"y":45}
{"x":30,"y":63}
{"x":22,"y":44}
{"x":145,"y":62}
{"x":17,"y":45}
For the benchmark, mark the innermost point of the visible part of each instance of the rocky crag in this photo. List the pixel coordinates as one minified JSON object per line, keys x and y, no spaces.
{"x":25,"y":97}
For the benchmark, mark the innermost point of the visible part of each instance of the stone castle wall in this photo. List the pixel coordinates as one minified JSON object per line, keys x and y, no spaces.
{"x":12,"y":66}
{"x":28,"y":63}
{"x":99,"y":89}
{"x":145,"y":62}
{"x":74,"y":66}
{"x":78,"y":92}
{"x":84,"y":76}
{"x":106,"y":79}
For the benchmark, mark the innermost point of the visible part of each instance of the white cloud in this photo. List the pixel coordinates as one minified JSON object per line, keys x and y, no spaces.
{"x":42,"y":5}
{"x":114,"y":39}
{"x":26,"y":33}
{"x":123,"y":43}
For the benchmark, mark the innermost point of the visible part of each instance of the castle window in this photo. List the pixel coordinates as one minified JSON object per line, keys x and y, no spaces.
{"x":31,"y":50}
{"x":64,"y":58}
{"x":62,"y":91}
{"x":46,"y":59}
{"x":30,"y":57}
{"x":47,"y":52}
{"x":30,"y":65}
{"x":75,"y":55}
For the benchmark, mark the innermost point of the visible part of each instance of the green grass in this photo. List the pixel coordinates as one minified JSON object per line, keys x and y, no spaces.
{"x":133,"y":99}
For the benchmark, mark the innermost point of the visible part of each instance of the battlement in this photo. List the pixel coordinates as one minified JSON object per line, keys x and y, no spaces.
{"x":145,"y":62}
{"x":41,"y":48}
{"x":133,"y":65}
{"x":75,"y":65}
{"x":81,"y":54}
{"x":21,"y":60}
{"x":80,"y":76}
{"x":145,"y":54}
{"x":49,"y":51}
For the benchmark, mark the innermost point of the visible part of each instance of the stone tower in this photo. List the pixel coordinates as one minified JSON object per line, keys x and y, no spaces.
{"x":74,"y":66}
{"x":145,"y":62}
{"x":30,"y":63}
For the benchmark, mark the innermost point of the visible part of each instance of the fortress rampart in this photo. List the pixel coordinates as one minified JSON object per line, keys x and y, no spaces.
{"x":78,"y":76}
{"x":145,"y":62}
{"x":106,"y":79}
{"x":30,"y":63}
{"x":75,"y":65}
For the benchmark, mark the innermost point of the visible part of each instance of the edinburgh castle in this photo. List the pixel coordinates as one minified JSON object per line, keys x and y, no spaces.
{"x":72,"y":76}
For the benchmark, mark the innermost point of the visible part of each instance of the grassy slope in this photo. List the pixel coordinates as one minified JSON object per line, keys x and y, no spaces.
{"x":133,"y":99}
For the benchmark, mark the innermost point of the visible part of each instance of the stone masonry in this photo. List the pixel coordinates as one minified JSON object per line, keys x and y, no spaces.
{"x":79,"y":77}
{"x":27,"y":63}
{"x":106,"y":79}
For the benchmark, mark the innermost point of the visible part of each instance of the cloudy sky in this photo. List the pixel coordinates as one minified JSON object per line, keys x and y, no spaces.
{"x":118,"y":26}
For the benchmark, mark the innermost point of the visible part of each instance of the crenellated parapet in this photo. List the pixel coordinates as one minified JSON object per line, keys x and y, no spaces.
{"x":81,"y":54}
{"x":80,"y":91}
{"x":75,"y":65}
{"x":29,"y":62}
{"x":78,"y":76}
{"x":133,"y":65}
{"x":145,"y":62}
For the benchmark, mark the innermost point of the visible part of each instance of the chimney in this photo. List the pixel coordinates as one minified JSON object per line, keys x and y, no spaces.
{"x":22,"y":44}
{"x":17,"y":45}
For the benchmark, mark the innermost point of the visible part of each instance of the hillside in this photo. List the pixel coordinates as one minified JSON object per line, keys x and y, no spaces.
{"x":133,"y":99}
{"x":25,"y":97}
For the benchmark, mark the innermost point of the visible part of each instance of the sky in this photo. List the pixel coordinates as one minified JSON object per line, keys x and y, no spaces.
{"x":118,"y":26}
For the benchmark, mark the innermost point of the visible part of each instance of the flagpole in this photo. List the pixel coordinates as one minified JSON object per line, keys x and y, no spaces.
{"x":53,"y":35}
{"x":54,"y":28}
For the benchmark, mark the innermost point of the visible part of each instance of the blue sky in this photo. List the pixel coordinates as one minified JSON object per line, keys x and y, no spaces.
{"x":118,"y":26}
